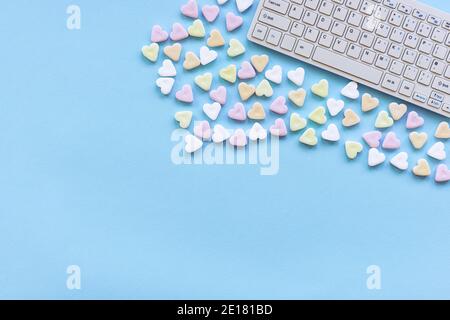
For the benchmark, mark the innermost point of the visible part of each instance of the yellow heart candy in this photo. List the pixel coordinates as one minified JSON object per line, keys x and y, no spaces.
{"x":260,"y":62}
{"x":236,"y":48}
{"x":352,"y":149}
{"x":197,"y":29}
{"x":215,"y":39}
{"x":369,"y":103}
{"x":443,"y":131}
{"x":246,"y":91}
{"x":184,"y":118}
{"x":191,"y":61}
{"x":264,"y":89}
{"x":418,"y":140}
{"x":204,"y":81}
{"x":384,"y":120}
{"x":318,"y":115}
{"x":397,"y":110}
{"x":256,"y":112}
{"x":297,"y":123}
{"x":151,"y":52}
{"x":350,"y":118}
{"x":298,"y":97}
{"x":422,"y":169}
{"x":309,"y":137}
{"x":320,"y":89}
{"x":229,"y":73}
{"x":173,"y":52}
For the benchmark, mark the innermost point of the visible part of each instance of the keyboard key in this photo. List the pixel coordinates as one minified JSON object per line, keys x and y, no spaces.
{"x":354,"y":51}
{"x":410,"y":56}
{"x":390,"y":3}
{"x":434,"y":103}
{"x":423,"y":62}
{"x":368,"y":56}
{"x":280,"y":6}
{"x":326,"y":8}
{"x":352,"y":34}
{"x":420,"y":97}
{"x":324,"y":23}
{"x":424,"y":30}
{"x":296,"y":12}
{"x":381,"y":45}
{"x":391,"y":82}
{"x":411,"y":40}
{"x":411,"y":73}
{"x":310,"y":18}
{"x":382,"y":61}
{"x":404,"y":8}
{"x":419,"y":14}
{"x":396,"y":19}
{"x":438,"y":67}
{"x":260,"y":32}
{"x":340,"y":45}
{"x":438,"y":35}
{"x":304,"y":49}
{"x":311,"y":34}
{"x":338,"y":28}
{"x":406,"y":88}
{"x":425,"y":78}
{"x":297,"y":29}
{"x":426,"y":46}
{"x":410,"y":24}
{"x":441,"y":85}
{"x":274,"y":20}
{"x":367,"y":39}
{"x":312,"y":4}
{"x":381,"y":13}
{"x":434,"y":20}
{"x":355,"y":19}
{"x":353,"y":4}
{"x":397,"y":67}
{"x":274,"y":37}
{"x":395,"y":51}
{"x":340,"y":13}
{"x":326,"y":40}
{"x":437,"y":96}
{"x":383,"y":30}
{"x":288,"y":42}
{"x":440,"y":52}
{"x":367,"y":7}
{"x":398,"y":35}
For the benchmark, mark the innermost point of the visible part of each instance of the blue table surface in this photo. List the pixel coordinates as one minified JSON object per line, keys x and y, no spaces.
{"x":87,"y":179}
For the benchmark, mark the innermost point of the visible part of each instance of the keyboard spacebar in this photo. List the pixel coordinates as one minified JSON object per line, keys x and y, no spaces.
{"x":346,"y":65}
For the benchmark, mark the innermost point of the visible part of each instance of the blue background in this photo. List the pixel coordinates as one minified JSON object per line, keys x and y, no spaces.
{"x":86,"y":178}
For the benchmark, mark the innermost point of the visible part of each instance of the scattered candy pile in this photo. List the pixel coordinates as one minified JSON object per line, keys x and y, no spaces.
{"x":248,"y":70}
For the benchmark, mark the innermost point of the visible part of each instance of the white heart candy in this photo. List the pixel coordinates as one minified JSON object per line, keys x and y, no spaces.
{"x":221,"y":2}
{"x":297,"y":76}
{"x":331,"y":133}
{"x":165,"y":84}
{"x":400,"y":161}
{"x":220,"y":134}
{"x":376,"y":157}
{"x":212,"y":110}
{"x":275,"y":74}
{"x":243,"y":5}
{"x":167,"y":69}
{"x":437,"y":151}
{"x":351,"y":91}
{"x":192,"y":143}
{"x":207,"y":55}
{"x":335,"y":106}
{"x":257,"y":132}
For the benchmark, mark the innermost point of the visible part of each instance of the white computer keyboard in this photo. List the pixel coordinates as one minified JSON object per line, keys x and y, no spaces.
{"x":401,"y":48}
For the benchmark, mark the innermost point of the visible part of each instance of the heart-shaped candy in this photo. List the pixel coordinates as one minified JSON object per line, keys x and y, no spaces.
{"x":418,"y":140}
{"x":203,"y":130}
{"x":442,"y":131}
{"x":321,"y":88}
{"x":204,"y":81}
{"x":400,"y":161}
{"x":207,"y":56}
{"x":279,"y":128}
{"x":260,"y":62}
{"x":220,"y":134}
{"x":275,"y":74}
{"x":422,"y":169}
{"x":318,"y":115}
{"x":257,"y":112}
{"x":297,"y":123}
{"x":243,"y":5}
{"x":190,"y":9}
{"x":375,"y":157}
{"x":297,"y":76}
{"x":246,"y":71}
{"x":192,"y":143}
{"x":351,"y":90}
{"x":185,"y":94}
{"x":210,"y":12}
{"x":309,"y":138}
{"x":397,"y":110}
{"x":369,"y":103}
{"x":173,"y":51}
{"x":351,"y":118}
{"x":298,"y":97}
{"x":352,"y":149}
{"x":233,"y":21}
{"x":229,"y":73}
{"x":383,"y":120}
{"x":184,"y":118}
{"x":178,"y":32}
{"x":167,"y":69}
{"x":414,"y":121}
{"x":264,"y":89}
{"x":331,"y":133}
{"x":372,"y":138}
{"x":335,"y":106}
{"x":215,"y":39}
{"x":191,"y":61}
{"x":197,"y":29}
{"x":236,"y":48}
{"x":442,"y":174}
{"x":212,"y":110}
{"x":159,"y":34}
{"x":246,"y":91}
{"x":222,"y":2}
{"x":391,"y":142}
{"x":257,"y":132}
{"x":237,"y":112}
{"x":437,"y":151}
{"x":165,"y":84}
{"x":279,"y":106}
{"x":238,"y":139}
{"x":151,"y":52}
{"x":219,"y":95}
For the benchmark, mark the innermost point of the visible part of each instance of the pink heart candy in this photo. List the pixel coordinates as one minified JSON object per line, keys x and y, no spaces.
{"x":233,"y":21}
{"x":372,"y":138}
{"x":202,"y":130}
{"x":178,"y":32}
{"x":414,"y":120}
{"x":246,"y":71}
{"x":279,"y":128}
{"x":442,"y":173}
{"x":210,"y":12}
{"x":185,"y":94}
{"x":391,"y":142}
{"x":158,"y":34}
{"x":279,"y":106}
{"x":190,"y":9}
{"x":219,"y":95}
{"x":237,"y":112}
{"x":238,"y":139}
